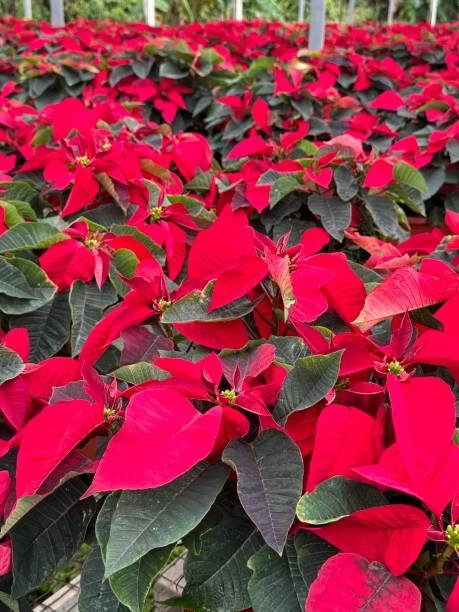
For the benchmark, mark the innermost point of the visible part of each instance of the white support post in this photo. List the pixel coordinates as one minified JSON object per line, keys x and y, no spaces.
{"x":317,"y":25}
{"x":301,"y":11}
{"x":433,"y":12}
{"x":350,"y":12}
{"x":391,"y":12}
{"x":27,"y":9}
{"x":57,"y":13}
{"x":150,"y":13}
{"x":238,"y":10}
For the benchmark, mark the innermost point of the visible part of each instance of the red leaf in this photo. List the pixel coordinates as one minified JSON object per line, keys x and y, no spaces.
{"x":110,"y":327}
{"x":335,"y":450}
{"x":436,"y":490}
{"x":322,"y":178}
{"x":52,"y":372}
{"x":218,"y":248}
{"x":85,"y":188}
{"x":393,"y":535}
{"x":348,"y":582}
{"x":345,"y":292}
{"x":254,"y":145}
{"x":50,"y":437}
{"x":379,"y":175}
{"x":260,"y":113}
{"x":15,"y":401}
{"x":407,"y":289}
{"x":452,"y":605}
{"x":68,"y":261}
{"x":313,"y":240}
{"x":424,"y":417}
{"x":227,"y":334}
{"x":388,"y":100}
{"x":163,"y":437}
{"x":17,"y":339}
{"x":237,"y":281}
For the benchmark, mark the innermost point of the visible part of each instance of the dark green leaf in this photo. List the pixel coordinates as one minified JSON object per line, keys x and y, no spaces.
{"x":273,"y":587}
{"x":87,"y":304}
{"x":24,"y":287}
{"x":47,"y":536}
{"x":49,"y":327}
{"x":289,"y":349}
{"x":312,"y":552}
{"x":11,"y":364}
{"x":336,"y":498}
{"x":384,"y":214}
{"x":195,"y":305}
{"x":347,"y":185}
{"x":33,"y":235}
{"x":153,"y":518}
{"x":131,"y":585}
{"x":365,"y":274}
{"x":281,"y":188}
{"x":96,"y":594}
{"x":334,"y":213}
{"x":269,"y":482}
{"x":217,"y":579}
{"x":310,"y":380}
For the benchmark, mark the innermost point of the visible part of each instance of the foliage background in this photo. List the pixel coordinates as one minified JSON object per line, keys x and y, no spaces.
{"x":174,"y":11}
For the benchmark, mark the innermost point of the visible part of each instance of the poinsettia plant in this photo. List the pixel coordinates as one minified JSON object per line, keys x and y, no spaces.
{"x":228,"y":296}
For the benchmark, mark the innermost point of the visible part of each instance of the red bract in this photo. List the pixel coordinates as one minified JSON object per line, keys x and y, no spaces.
{"x":393,"y":535}
{"x":161,"y":429}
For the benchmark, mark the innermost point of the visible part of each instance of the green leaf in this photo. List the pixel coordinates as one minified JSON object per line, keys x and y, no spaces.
{"x":365,"y":274}
{"x":171,"y":70}
{"x":96,"y":594}
{"x":11,"y":214}
{"x":49,"y":535}
{"x":336,"y":498}
{"x":23,"y":506}
{"x":11,"y":364}
{"x":49,"y":327}
{"x":334,"y":213}
{"x":87,"y":305}
{"x":289,"y":349}
{"x":217,"y":579}
{"x":312,"y":552}
{"x":281,"y":188}
{"x":276,"y":584}
{"x":269,"y":482}
{"x":132,"y":584}
{"x":347,"y":185}
{"x":125,"y":262}
{"x":201,"y":182}
{"x":141,"y":372}
{"x":195,"y":305}
{"x":310,"y":380}
{"x":19,"y":190}
{"x":33,"y":235}
{"x":408,"y":175}
{"x":24,"y":209}
{"x":384,"y":213}
{"x":153,"y":518}
{"x":24,"y":287}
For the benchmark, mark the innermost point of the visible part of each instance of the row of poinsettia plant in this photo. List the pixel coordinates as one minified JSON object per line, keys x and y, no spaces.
{"x":228,"y":298}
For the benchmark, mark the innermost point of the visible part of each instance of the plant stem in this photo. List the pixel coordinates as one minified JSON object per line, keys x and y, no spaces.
{"x":436,"y":567}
